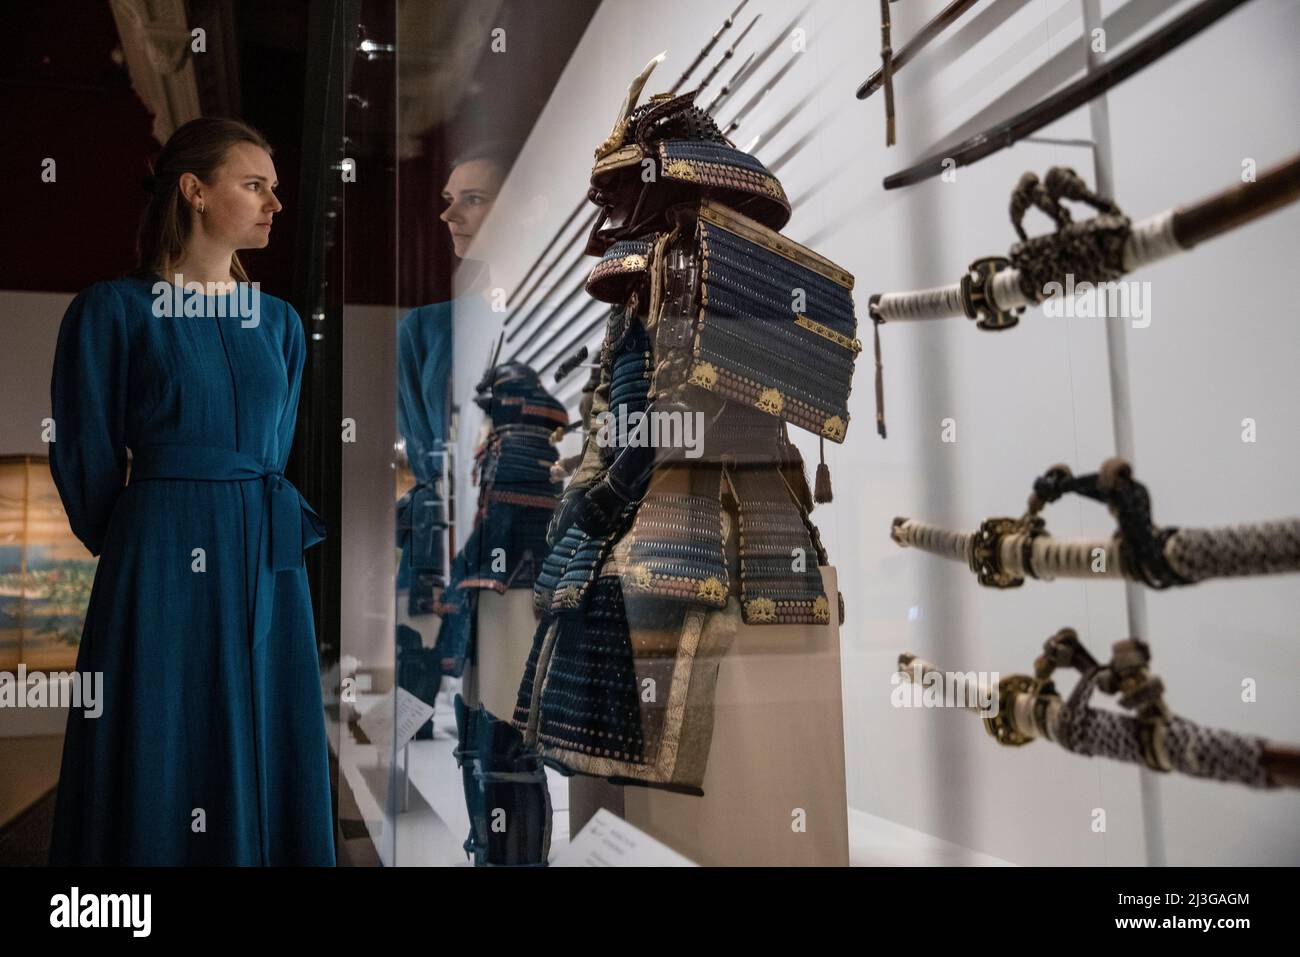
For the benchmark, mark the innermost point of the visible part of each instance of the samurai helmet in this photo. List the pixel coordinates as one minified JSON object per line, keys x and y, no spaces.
{"x":512,"y":393}
{"x":689,"y":159}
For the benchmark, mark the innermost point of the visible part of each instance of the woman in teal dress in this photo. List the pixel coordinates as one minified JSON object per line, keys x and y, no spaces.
{"x":211,"y":745}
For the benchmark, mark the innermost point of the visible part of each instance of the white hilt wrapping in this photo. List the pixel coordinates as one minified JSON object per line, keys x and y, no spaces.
{"x":1048,"y":557}
{"x":943,"y":302}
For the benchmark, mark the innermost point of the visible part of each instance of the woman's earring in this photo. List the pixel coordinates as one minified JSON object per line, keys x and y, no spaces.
{"x":201,"y":207}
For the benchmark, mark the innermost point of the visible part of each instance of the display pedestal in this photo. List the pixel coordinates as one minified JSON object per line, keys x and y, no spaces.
{"x":505,"y":637}
{"x":778,"y":747}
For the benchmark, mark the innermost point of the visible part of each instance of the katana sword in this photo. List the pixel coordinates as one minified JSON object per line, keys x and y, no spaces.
{"x":1029,"y":708}
{"x":891,"y":62}
{"x":941,"y":21}
{"x":1003,"y":552}
{"x":996,"y":289}
{"x":1069,"y":98}
{"x":887,"y":69}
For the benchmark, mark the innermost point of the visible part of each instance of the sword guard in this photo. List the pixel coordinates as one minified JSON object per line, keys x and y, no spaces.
{"x":977,"y":299}
{"x":1002,"y":725}
{"x":986,"y":560}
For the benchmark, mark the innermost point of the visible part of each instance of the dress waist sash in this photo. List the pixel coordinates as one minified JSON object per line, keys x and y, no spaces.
{"x":289,"y":524}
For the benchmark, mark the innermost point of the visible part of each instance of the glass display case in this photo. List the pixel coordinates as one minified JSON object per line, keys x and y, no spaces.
{"x":710,"y":647}
{"x":688,"y":387}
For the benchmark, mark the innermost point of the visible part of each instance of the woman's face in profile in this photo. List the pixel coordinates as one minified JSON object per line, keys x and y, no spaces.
{"x":240,"y":201}
{"x":469,"y":194}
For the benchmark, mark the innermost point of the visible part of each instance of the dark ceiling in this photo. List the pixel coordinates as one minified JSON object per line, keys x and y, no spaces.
{"x":68,"y":97}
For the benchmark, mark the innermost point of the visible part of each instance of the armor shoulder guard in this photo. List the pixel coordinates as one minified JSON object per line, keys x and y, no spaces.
{"x":776,"y":328}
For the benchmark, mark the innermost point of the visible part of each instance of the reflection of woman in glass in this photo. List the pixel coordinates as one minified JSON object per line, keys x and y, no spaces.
{"x":470,"y":191}
{"x":210,"y":747}
{"x":424,"y":381}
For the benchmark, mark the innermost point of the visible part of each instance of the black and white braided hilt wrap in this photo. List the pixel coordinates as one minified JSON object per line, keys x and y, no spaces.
{"x":1003,"y":552}
{"x":1151,"y":735}
{"x":1089,"y":251}
{"x":1030,"y":708}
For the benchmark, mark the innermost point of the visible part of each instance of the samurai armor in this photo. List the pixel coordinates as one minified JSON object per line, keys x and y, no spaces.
{"x":776,"y":328}
{"x":505,"y":792}
{"x":418,"y":671}
{"x":688,"y":512}
{"x":628,"y":688}
{"x":516,"y":497}
{"x":421,"y":533}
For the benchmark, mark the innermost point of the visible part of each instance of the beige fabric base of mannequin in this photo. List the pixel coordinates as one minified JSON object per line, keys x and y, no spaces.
{"x":777,"y":750}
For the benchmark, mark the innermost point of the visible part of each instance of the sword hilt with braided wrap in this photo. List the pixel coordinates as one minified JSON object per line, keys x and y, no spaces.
{"x":1030,"y":708}
{"x":1003,"y":552}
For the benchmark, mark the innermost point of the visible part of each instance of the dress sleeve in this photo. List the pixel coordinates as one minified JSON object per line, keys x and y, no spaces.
{"x":88,"y":395}
{"x":295,"y":356}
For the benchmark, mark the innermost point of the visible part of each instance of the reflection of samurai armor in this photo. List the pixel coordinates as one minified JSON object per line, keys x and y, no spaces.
{"x":689,"y":511}
{"x":419,"y":672}
{"x":516,"y":497}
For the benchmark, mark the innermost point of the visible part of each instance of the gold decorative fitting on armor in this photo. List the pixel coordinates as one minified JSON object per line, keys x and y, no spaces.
{"x":826,"y":332}
{"x":704,"y":375}
{"x":770,"y":401}
{"x":834,"y":428}
{"x":761,"y":609}
{"x":614,"y":140}
{"x":681,"y":169}
{"x":641,"y":576}
{"x":634,"y":261}
{"x":822,"y":608}
{"x":711,"y":590}
{"x":628,"y":154}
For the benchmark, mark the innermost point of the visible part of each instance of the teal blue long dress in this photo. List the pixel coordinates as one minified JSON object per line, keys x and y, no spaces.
{"x":211,"y":746}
